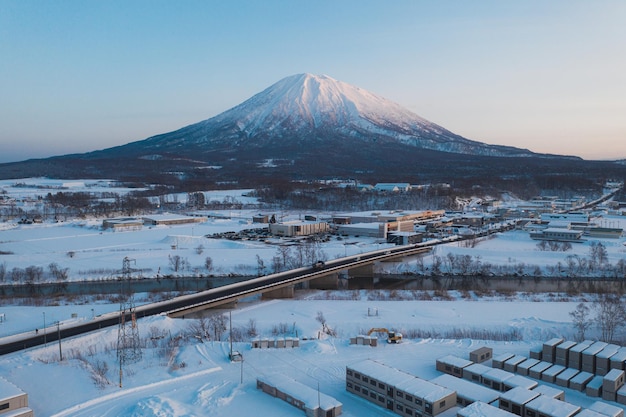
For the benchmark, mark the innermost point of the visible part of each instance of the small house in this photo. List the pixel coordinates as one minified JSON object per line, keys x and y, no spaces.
{"x":481,"y":354}
{"x":452,"y":365}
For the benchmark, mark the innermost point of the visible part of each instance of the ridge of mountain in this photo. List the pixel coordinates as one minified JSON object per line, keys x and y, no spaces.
{"x":308,"y":107}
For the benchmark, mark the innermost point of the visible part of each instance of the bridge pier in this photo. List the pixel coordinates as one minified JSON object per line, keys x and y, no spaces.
{"x":327,"y":282}
{"x":284,"y":292}
{"x":364,"y":271}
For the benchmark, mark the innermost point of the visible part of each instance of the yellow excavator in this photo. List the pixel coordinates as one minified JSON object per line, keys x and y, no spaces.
{"x":392,"y":337}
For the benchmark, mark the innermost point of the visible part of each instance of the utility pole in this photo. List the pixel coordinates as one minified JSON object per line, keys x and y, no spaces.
{"x":59,"y":336}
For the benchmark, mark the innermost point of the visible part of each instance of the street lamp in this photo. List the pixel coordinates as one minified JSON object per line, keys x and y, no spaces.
{"x":44,"y":328}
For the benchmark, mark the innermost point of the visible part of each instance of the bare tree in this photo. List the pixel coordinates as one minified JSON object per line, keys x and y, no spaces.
{"x":217,"y":324}
{"x":610,"y":316}
{"x":251,"y":330}
{"x":208,"y":263}
{"x":581,"y":318}
{"x":33,"y":273}
{"x":200,"y":328}
{"x":175,"y":262}
{"x":59,"y":274}
{"x":260,"y":266}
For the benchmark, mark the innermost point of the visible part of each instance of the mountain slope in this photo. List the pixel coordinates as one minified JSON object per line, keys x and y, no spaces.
{"x":308,"y":108}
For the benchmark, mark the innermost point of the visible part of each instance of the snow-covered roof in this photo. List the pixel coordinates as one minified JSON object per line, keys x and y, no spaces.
{"x":467,"y":389}
{"x":481,"y":409}
{"x":497,"y":375}
{"x":553,"y":371}
{"x":515,"y":360}
{"x":589,"y":413}
{"x":581,"y":378}
{"x":528,"y":363}
{"x":552,"y":407}
{"x":614,"y":375}
{"x":455,"y":361}
{"x":541,"y":366}
{"x":521,"y":381}
{"x":383,"y":373}
{"x":519,"y":395}
{"x":606,"y":409}
{"x":310,"y":396}
{"x":8,"y":390}
{"x":608,"y":351}
{"x":478,"y":369}
{"x":581,"y":346}
{"x":568,"y":344}
{"x":568,"y":374}
{"x":502,"y":357}
{"x":595,"y":348}
{"x":548,"y":391}
{"x":166,"y":217}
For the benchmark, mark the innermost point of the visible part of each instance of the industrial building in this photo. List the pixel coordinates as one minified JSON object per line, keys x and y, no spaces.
{"x":397,"y":391}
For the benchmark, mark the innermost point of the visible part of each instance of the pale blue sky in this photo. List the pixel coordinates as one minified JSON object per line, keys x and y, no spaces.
{"x":548,"y":75}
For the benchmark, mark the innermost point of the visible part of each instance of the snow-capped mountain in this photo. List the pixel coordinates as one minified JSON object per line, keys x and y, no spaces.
{"x":307,"y":107}
{"x":301,"y":128}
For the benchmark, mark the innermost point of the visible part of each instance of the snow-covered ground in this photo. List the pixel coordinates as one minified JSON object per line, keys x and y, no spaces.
{"x":197,"y":379}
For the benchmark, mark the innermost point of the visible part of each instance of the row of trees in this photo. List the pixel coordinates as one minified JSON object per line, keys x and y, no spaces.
{"x":33,"y":274}
{"x":596,"y":264}
{"x":291,"y":257}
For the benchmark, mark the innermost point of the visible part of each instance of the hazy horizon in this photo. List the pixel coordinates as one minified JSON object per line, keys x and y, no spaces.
{"x":83,"y":76}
